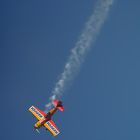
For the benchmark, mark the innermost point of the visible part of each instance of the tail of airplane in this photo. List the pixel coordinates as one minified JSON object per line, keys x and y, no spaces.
{"x":58,"y":104}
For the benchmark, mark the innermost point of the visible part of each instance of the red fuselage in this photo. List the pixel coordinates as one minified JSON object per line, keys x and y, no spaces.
{"x":46,"y":118}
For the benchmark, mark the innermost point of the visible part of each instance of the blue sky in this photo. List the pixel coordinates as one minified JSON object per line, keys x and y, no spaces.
{"x":36,"y":39}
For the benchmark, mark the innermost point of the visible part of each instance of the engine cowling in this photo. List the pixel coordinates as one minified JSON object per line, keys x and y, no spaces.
{"x":38,"y":124}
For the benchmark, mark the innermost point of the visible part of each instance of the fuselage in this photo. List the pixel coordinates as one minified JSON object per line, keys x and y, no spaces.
{"x":46,"y":118}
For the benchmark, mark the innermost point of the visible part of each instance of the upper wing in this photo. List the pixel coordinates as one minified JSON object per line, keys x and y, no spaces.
{"x":50,"y":125}
{"x":37,"y":113}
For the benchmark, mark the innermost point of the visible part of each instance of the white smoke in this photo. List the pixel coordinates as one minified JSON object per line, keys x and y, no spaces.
{"x":83,"y":45}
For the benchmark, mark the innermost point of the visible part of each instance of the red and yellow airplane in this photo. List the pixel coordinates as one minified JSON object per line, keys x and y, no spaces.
{"x":45,"y":119}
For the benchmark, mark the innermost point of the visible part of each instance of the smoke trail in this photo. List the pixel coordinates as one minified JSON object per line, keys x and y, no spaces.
{"x":83,"y":45}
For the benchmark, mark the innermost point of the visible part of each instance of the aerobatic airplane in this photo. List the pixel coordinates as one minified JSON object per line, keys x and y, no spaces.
{"x":44,"y":119}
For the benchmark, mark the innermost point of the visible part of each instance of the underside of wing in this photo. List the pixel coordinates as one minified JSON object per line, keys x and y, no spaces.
{"x":50,"y":125}
{"x":36,"y":112}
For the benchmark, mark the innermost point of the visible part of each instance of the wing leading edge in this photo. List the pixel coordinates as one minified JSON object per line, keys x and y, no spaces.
{"x":50,"y":125}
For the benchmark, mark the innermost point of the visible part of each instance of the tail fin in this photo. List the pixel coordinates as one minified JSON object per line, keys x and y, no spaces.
{"x":58,"y":104}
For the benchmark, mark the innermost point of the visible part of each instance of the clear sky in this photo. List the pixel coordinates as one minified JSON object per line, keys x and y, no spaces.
{"x":36,"y":39}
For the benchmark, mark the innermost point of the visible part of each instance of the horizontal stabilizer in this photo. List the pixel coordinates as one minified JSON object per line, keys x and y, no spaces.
{"x":58,"y":104}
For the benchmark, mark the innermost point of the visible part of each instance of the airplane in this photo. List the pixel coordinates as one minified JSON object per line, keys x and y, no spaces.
{"x":44,"y":119}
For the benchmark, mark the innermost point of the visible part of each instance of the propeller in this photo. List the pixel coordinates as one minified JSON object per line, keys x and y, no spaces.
{"x":37,"y":131}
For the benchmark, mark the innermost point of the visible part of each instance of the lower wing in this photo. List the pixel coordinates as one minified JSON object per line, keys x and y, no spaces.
{"x":50,"y":125}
